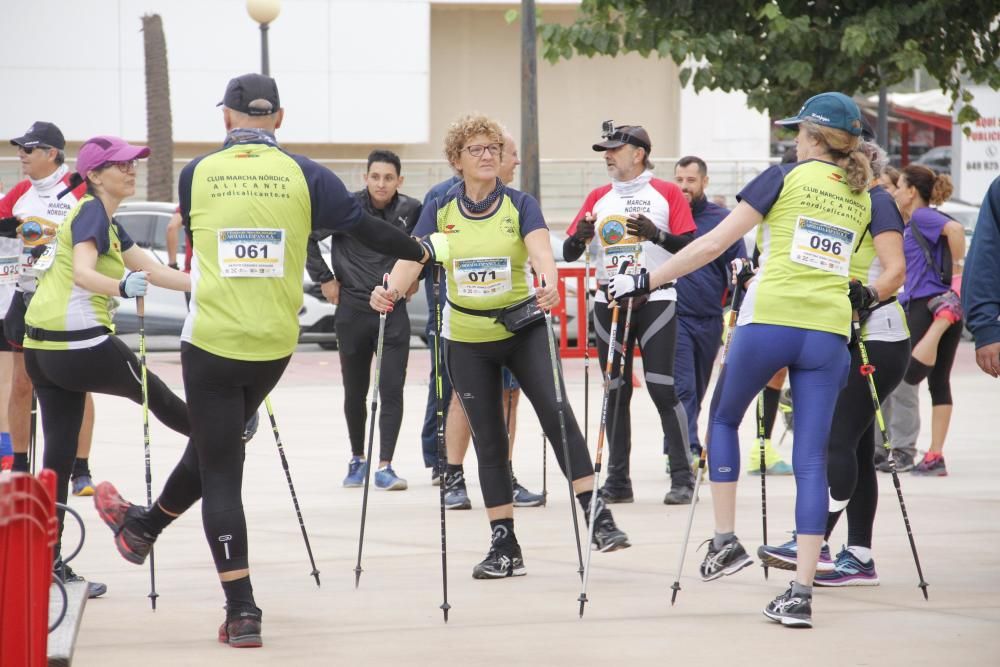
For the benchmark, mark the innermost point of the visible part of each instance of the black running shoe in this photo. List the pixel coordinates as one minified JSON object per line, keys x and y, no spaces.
{"x":133,"y":543}
{"x":241,"y":629}
{"x":614,"y":495}
{"x":679,"y":495}
{"x":456,"y":496}
{"x":728,"y":559}
{"x":795,"y":611}
{"x":607,"y":535}
{"x":503,"y":559}
{"x":68,"y":576}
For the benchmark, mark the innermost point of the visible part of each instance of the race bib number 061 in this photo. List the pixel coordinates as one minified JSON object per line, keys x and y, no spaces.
{"x":822,"y":245}
{"x":252,"y":253}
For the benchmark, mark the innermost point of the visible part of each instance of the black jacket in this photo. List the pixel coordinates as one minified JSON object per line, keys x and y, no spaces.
{"x":358,"y":268}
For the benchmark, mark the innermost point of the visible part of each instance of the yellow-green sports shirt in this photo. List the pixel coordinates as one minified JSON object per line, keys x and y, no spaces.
{"x":813,"y":223}
{"x":59,"y":303}
{"x":488,"y":267}
{"x":250,"y":208}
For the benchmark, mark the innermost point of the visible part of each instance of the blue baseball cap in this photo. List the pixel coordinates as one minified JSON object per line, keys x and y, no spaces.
{"x":834,"y":110}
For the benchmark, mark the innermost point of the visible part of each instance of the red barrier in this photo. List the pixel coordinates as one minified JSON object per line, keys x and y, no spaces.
{"x":28,"y":529}
{"x":574,"y":279}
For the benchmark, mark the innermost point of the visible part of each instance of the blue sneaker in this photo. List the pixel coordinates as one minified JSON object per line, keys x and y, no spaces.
{"x":783,"y":556}
{"x":356,"y":471}
{"x":386,"y":478}
{"x":848,"y":571}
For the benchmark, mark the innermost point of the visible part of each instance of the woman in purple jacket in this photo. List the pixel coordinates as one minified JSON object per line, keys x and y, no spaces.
{"x":934,"y":246}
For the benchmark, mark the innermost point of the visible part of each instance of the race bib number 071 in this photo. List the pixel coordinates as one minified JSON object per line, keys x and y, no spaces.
{"x":822,"y":245}
{"x":483,"y":276}
{"x":252,"y":253}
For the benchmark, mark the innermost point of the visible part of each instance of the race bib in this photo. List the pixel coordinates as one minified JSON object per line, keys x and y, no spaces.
{"x":615,"y":255}
{"x":822,"y":245}
{"x":482,"y":276}
{"x":36,"y":267}
{"x":10,"y":269}
{"x":252,"y":253}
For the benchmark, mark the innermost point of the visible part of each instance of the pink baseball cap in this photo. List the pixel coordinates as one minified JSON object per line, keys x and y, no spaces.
{"x":98,"y":151}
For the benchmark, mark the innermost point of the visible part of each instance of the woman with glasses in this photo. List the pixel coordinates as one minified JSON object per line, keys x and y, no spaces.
{"x":69,"y":344}
{"x":488,"y":237}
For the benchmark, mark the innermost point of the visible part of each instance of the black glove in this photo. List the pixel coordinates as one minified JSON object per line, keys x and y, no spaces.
{"x":8,"y":227}
{"x":743,"y":269}
{"x":584,"y":230}
{"x":862,"y":297}
{"x":640,"y":225}
{"x":38,"y":251}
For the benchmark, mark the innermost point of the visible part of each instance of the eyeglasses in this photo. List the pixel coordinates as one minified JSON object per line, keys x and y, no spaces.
{"x":28,"y":150}
{"x":124,"y":166}
{"x":476,"y":150}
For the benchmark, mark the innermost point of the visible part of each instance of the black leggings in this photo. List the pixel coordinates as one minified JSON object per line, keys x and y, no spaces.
{"x":222,"y":394}
{"x":654,"y":328}
{"x":62,"y":379}
{"x":475,"y":370}
{"x":357,"y":338}
{"x":850,"y":468}
{"x":919,"y":319}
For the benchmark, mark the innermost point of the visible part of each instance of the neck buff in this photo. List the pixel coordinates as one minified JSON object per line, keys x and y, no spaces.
{"x":249,"y":135}
{"x":51,"y":179}
{"x":631,"y":187}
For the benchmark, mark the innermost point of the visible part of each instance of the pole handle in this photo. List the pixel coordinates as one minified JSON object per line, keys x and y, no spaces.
{"x":140,"y":306}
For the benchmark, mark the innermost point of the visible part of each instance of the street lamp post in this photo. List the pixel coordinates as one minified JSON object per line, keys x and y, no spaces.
{"x":264,"y":12}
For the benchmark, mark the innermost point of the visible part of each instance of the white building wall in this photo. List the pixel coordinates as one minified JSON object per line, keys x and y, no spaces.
{"x":718,"y":125}
{"x":339,"y":64}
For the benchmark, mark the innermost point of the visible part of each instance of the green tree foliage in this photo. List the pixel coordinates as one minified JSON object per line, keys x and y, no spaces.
{"x":780,"y":52}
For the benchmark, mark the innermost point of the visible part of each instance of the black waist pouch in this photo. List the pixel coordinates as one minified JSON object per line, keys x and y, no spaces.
{"x":514,"y":318}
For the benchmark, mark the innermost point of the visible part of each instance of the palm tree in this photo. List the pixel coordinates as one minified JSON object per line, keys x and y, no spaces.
{"x":159,"y":125}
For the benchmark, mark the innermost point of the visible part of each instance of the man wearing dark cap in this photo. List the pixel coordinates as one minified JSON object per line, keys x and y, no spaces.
{"x":32,"y":212}
{"x":639,"y":220}
{"x":249,"y":208}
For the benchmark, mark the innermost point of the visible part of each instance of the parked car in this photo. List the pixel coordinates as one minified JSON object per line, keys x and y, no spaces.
{"x":937,"y":158}
{"x":146,"y":223}
{"x":963,"y":212}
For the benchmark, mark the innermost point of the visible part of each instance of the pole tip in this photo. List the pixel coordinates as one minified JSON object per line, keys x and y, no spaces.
{"x":923,"y":588}
{"x":445,"y":608}
{"x":357,"y":576}
{"x":315,"y":575}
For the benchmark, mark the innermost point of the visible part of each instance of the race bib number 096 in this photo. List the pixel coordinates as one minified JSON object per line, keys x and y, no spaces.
{"x":252,"y":253}
{"x":483,"y":276}
{"x":822,"y":245}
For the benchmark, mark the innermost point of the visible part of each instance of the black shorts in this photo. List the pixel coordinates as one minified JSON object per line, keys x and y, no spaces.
{"x":13,"y":321}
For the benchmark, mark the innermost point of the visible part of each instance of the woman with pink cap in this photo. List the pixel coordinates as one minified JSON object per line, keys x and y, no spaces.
{"x":69,"y":344}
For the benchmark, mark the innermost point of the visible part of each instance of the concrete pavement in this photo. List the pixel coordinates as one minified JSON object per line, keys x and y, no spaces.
{"x":393,"y":618}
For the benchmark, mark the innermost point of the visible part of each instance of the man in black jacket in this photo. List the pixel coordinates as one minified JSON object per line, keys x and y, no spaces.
{"x":356,"y":271}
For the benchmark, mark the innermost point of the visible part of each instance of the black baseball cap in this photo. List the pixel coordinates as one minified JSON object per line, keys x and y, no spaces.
{"x":41,"y":133}
{"x":252,"y":94}
{"x":635,"y":135}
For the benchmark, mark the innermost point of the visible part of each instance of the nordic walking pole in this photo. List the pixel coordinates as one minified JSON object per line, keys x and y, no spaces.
{"x":442,"y":456}
{"x":867,"y":369}
{"x":608,"y":373}
{"x":291,"y":487}
{"x":737,"y":300}
{"x":140,"y":309}
{"x":545,"y":473}
{"x":763,"y":470}
{"x":586,"y":347}
{"x":373,"y":413}
{"x":34,"y":427}
{"x":562,"y":431}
